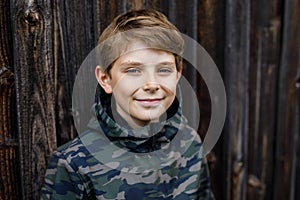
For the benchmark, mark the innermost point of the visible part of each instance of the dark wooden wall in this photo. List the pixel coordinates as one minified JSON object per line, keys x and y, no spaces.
{"x":255,"y":45}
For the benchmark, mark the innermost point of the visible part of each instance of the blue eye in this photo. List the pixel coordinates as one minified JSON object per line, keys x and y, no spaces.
{"x":132,"y":70}
{"x":165,"y":70}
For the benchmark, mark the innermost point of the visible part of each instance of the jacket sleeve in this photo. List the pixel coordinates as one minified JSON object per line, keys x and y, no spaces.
{"x":205,"y":192}
{"x":61,"y":180}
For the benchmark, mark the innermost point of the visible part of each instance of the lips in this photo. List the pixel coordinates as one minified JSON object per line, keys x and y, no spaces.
{"x":149,"y":102}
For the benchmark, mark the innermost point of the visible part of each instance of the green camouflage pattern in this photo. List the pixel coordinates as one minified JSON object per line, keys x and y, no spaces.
{"x":92,"y":166}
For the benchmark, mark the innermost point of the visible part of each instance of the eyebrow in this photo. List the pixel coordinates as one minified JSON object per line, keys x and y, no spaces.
{"x":136,"y":64}
{"x":167,"y":63}
{"x":131,"y":64}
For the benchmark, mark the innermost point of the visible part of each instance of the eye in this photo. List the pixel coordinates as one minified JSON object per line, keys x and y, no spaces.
{"x":132,"y":70}
{"x":165,"y":70}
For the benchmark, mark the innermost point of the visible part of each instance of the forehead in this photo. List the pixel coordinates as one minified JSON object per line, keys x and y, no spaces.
{"x":140,"y":53}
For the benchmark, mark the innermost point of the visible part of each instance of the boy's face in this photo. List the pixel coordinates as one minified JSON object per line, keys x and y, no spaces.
{"x":143,"y":82}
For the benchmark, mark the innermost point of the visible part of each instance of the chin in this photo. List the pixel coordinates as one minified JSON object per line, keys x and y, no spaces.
{"x":148,"y":119}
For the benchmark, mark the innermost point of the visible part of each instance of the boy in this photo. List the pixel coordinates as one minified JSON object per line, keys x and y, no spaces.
{"x":138,"y":145}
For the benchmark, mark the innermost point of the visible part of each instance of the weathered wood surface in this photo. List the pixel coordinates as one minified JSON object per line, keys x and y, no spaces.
{"x":236,"y":79}
{"x":264,"y":65}
{"x":72,"y":20}
{"x":254,"y":43}
{"x":9,"y":164}
{"x":210,"y":17}
{"x":296,"y":160}
{"x":35,"y":89}
{"x":287,"y":141}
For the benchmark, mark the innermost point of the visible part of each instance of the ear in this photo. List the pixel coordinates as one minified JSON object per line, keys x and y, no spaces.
{"x":103,"y":79}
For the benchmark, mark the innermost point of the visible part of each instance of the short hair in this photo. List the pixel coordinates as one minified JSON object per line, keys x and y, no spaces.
{"x":148,"y":26}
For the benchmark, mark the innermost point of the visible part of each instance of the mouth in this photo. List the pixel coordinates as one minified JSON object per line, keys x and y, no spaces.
{"x":149,"y":102}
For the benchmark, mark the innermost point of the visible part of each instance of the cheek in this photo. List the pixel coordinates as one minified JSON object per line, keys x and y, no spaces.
{"x":124,"y":87}
{"x":170,"y":86}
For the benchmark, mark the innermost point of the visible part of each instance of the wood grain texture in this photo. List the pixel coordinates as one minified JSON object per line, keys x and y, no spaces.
{"x":9,"y":164}
{"x":5,"y":37}
{"x":34,"y":75}
{"x":296,"y":172}
{"x":211,"y":19}
{"x":286,"y":135}
{"x":74,"y":32}
{"x":264,"y":65}
{"x":236,"y":74}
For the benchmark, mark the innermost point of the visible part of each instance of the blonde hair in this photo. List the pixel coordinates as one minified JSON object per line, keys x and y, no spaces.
{"x":149,"y":26}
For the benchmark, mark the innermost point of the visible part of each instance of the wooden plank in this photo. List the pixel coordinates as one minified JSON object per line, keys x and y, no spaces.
{"x":297,"y":125}
{"x":9,"y":172}
{"x":211,"y":19}
{"x":34,"y":74}
{"x":236,"y":73}
{"x":264,"y":64}
{"x":9,"y":164}
{"x":5,"y":35}
{"x":74,"y":36}
{"x":286,"y":135}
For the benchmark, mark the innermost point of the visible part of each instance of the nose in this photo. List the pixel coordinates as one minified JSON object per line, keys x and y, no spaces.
{"x":151,"y":87}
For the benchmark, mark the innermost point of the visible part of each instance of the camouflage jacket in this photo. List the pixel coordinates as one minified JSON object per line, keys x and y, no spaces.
{"x":159,"y":161}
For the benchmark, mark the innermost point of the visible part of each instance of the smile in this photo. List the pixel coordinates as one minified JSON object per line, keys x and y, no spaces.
{"x":149,"y":102}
